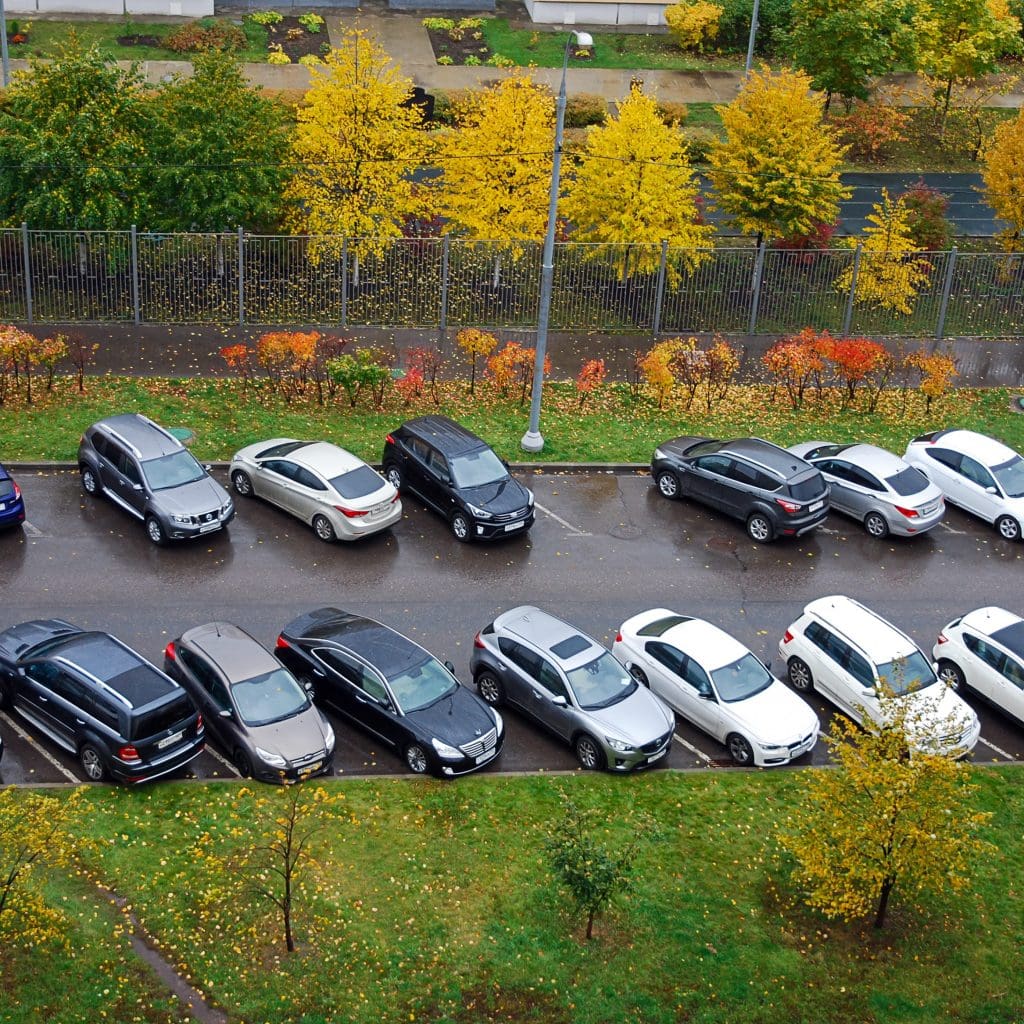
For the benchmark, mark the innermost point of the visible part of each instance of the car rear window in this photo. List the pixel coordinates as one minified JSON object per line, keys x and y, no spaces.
{"x":808,"y":488}
{"x":278,"y":451}
{"x":659,"y":626}
{"x":357,"y":483}
{"x":908,"y":481}
{"x":6,"y":489}
{"x":159,"y":719}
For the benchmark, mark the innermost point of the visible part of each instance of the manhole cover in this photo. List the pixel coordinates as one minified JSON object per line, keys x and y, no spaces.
{"x":183,"y":434}
{"x":1017,"y":403}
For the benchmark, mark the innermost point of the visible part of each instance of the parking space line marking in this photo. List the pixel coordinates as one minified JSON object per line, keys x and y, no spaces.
{"x":998,"y":750}
{"x":31,"y":529}
{"x":558,"y":519}
{"x":42,"y":750}
{"x":689,"y":746}
{"x":224,"y":761}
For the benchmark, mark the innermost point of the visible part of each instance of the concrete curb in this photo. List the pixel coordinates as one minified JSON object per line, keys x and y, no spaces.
{"x":542,"y":467}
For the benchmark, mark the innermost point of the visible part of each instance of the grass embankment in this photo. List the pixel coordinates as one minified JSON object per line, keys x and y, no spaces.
{"x":427,"y":909}
{"x":611,"y":427}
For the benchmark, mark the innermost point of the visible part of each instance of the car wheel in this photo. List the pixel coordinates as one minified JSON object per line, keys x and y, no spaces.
{"x":242,"y":763}
{"x":740,"y":749}
{"x":155,"y":531}
{"x":668,"y":485}
{"x":759,"y":528}
{"x":324,"y":530}
{"x":952,"y":675}
{"x":1008,"y":527}
{"x":416,"y":759}
{"x":93,"y":763}
{"x":393,"y":475}
{"x":90,"y":484}
{"x":242,"y":483}
{"x":876,"y":526}
{"x":589,"y":754}
{"x":461,"y":528}
{"x":639,"y":675}
{"x":490,"y":689}
{"x":800,"y":677}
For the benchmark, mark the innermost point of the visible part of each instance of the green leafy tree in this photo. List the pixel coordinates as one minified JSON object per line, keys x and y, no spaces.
{"x":841,"y":44}
{"x":219,"y":151}
{"x":776,"y":173}
{"x":73,"y":136}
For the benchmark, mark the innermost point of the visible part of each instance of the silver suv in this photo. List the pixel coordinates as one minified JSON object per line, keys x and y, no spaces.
{"x":572,"y":686}
{"x":150,"y":474}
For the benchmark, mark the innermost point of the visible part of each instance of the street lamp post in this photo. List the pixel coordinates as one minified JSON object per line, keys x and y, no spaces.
{"x":752,"y":38}
{"x":4,"y":58}
{"x":532,"y":440}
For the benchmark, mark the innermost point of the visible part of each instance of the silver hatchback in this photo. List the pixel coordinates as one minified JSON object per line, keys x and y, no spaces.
{"x":878,"y":489}
{"x":571,"y":685}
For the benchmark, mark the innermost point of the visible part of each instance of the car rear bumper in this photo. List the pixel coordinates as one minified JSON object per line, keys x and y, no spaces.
{"x":904,"y":527}
{"x":121,"y":771}
{"x":352,"y":529}
{"x":797,"y":526}
{"x":12,"y":514}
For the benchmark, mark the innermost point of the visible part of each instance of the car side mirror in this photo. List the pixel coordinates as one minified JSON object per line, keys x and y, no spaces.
{"x":767,"y":665}
{"x":136,"y":487}
{"x":935,"y":667}
{"x":869,"y":692}
{"x":207,"y":467}
{"x":451,"y":668}
{"x":706,"y":695}
{"x":559,"y":701}
{"x":991,"y":490}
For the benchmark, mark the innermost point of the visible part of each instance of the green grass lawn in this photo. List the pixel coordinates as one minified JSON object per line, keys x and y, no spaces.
{"x":432,"y":902}
{"x":613,"y":427}
{"x":46,"y":37}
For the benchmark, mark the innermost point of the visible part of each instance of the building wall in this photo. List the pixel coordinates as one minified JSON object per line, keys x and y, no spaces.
{"x":596,"y":12}
{"x":183,"y":8}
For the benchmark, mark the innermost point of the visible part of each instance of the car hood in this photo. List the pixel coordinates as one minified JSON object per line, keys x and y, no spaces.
{"x":293,"y":737}
{"x":456,"y":720}
{"x":776,"y":715}
{"x":192,"y":499}
{"x":936,"y":711}
{"x":14,"y":642}
{"x":639,"y":719}
{"x":507,"y":495}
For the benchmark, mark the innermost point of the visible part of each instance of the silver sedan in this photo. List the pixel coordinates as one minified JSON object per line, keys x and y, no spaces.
{"x":329,"y":488}
{"x":875,"y":487}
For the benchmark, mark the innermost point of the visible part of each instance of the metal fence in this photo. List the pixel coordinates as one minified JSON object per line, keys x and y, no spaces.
{"x":134,"y":277}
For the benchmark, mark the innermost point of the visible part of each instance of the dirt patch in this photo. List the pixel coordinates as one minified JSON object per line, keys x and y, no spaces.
{"x":460,"y":51}
{"x":295,"y":40}
{"x":139,"y":41}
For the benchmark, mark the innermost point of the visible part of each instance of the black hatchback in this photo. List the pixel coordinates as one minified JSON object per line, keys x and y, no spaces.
{"x":773,"y":491}
{"x":459,"y":476}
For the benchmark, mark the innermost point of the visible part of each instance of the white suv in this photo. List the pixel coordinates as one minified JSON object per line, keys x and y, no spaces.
{"x":984,"y":651}
{"x":852,"y":656}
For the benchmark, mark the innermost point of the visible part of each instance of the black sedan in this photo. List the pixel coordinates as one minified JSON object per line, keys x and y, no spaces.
{"x":394,"y":689}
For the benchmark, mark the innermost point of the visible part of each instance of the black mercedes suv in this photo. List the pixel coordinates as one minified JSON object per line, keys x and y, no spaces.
{"x":459,"y":477}
{"x":776,"y":493}
{"x":99,"y":700}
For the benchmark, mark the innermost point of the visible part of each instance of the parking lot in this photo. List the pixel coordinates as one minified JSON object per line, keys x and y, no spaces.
{"x":605,"y":546}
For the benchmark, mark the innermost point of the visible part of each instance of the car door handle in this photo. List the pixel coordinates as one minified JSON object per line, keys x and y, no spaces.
{"x":318,"y":672}
{"x":79,"y":721}
{"x":44,"y":700}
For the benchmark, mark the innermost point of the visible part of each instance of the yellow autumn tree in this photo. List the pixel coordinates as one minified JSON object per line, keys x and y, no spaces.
{"x":1004,"y":180}
{"x":693,"y":24}
{"x":776,"y":173}
{"x":889,"y":275}
{"x":355,"y":145}
{"x":633,"y":189}
{"x":496,"y":165}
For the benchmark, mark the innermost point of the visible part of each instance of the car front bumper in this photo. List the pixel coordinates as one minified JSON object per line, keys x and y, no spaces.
{"x":190,"y":531}
{"x":486,"y":529}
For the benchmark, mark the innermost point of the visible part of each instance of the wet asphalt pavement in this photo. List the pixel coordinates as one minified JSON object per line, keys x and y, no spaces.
{"x":604,"y":547}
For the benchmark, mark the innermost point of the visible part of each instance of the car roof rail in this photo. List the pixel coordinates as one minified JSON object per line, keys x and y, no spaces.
{"x":163,"y":430}
{"x":95,"y":679}
{"x":120,"y":437}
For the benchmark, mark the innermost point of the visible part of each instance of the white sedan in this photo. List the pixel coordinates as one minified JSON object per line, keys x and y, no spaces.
{"x":976,"y":472}
{"x":715,"y":683}
{"x":329,"y":488}
{"x":984,"y":651}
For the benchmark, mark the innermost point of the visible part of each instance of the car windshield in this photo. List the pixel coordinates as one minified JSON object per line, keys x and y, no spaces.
{"x":1011,"y":477}
{"x":422,"y":685}
{"x":357,"y":483}
{"x":271,"y":697}
{"x":172,"y":471}
{"x":600,"y":683}
{"x":477,"y":469}
{"x":742,"y":679}
{"x":906,"y":675}
{"x":908,"y":481}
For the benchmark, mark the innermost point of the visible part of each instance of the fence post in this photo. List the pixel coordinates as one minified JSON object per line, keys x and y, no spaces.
{"x":241,"y":277}
{"x":756,"y":287}
{"x":344,"y":282}
{"x":443,"y":317}
{"x":659,"y":292}
{"x":940,"y":327}
{"x":27,"y":261}
{"x":848,"y":315}
{"x":136,"y":305}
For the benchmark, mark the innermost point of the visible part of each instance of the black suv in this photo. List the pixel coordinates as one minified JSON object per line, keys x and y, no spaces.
{"x":149,"y":473}
{"x":95,"y":697}
{"x":776,"y":493}
{"x":458,"y":476}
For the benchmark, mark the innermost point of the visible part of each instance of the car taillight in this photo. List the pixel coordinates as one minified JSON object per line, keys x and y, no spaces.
{"x":943,"y":639}
{"x":17,"y":491}
{"x":199,"y":721}
{"x":910,"y":513}
{"x":170,"y":652}
{"x":788,"y":506}
{"x":478,"y":642}
{"x":128,"y":753}
{"x":389,"y":439}
{"x":618,"y":637}
{"x":350,"y":513}
{"x":787,"y":637}
{"x":282,"y":644}
{"x":395,"y":498}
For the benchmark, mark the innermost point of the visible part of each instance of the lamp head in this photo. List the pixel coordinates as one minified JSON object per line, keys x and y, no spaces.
{"x":583,"y":38}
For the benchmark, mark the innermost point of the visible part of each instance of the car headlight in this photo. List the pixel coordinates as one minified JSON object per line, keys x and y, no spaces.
{"x":274,"y":760}
{"x":658,"y":453}
{"x":620,"y":745}
{"x":480,"y":513}
{"x":451,"y":753}
{"x":498,"y":723}
{"x":227,"y":507}
{"x":328,"y":735}
{"x":770,"y":746}
{"x":529,"y":501}
{"x":184,"y":520}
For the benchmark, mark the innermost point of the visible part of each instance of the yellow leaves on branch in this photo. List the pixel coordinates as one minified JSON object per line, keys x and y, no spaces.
{"x":633,"y":189}
{"x":1004,"y":179}
{"x":693,"y":24}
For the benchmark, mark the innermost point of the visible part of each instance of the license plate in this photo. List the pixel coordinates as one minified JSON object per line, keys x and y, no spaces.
{"x":481,"y":758}
{"x":815,"y":506}
{"x":168,"y":740}
{"x":310,"y":768}
{"x":209,"y":527}
{"x":514,"y":526}
{"x":2,"y":506}
{"x":379,"y":510}
{"x":928,"y":510}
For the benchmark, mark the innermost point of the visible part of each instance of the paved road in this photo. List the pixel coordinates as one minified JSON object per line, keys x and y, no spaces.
{"x":604,"y":547}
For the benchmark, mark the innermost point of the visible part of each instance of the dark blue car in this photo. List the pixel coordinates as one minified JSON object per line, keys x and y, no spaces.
{"x":12,"y":505}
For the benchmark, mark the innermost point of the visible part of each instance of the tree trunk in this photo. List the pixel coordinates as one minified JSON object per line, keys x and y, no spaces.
{"x":590,"y":923}
{"x":945,"y":109}
{"x":286,"y":908}
{"x":883,"y":901}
